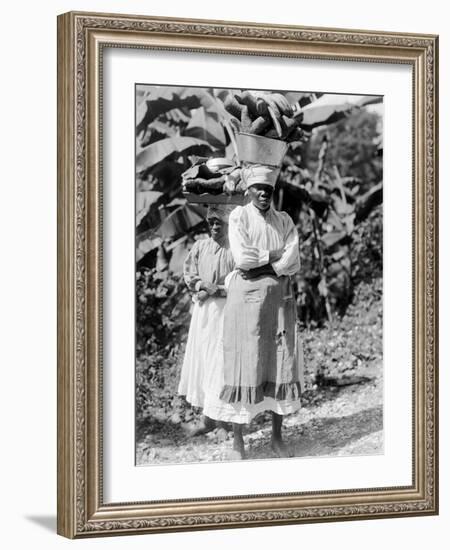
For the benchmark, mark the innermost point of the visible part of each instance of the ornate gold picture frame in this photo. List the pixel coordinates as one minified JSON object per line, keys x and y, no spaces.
{"x":82,"y":41}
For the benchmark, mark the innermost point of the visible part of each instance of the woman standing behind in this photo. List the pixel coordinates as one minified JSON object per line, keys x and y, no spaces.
{"x":205,"y":268}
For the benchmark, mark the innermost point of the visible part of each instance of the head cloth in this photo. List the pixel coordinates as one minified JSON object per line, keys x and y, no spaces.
{"x":221,"y":211}
{"x":259,"y":173}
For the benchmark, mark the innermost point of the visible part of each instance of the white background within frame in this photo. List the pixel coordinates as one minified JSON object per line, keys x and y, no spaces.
{"x":28,"y":298}
{"x":123,"y":482}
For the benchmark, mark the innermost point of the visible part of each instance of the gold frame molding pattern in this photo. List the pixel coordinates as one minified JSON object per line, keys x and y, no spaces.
{"x":81,"y":38}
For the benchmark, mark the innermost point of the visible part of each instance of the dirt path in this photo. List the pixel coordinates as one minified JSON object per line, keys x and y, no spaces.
{"x":334,"y":421}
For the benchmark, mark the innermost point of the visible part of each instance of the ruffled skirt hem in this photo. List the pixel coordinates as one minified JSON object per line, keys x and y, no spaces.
{"x":289,"y":391}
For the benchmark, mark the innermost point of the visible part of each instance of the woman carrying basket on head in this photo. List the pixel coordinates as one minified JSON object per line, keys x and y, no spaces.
{"x":262,"y":365}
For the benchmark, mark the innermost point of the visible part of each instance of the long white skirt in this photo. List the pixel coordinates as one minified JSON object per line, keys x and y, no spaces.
{"x":202,"y":373}
{"x":203,"y":350}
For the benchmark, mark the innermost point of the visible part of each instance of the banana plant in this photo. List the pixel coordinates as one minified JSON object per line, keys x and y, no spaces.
{"x":334,"y":205}
{"x":176,"y":124}
{"x":172,"y":125}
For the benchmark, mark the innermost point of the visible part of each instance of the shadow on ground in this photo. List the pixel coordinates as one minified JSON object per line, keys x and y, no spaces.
{"x":322,"y":436}
{"x":162,"y":430}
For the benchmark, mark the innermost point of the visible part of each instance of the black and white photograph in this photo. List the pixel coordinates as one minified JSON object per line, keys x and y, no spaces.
{"x":259,"y":263}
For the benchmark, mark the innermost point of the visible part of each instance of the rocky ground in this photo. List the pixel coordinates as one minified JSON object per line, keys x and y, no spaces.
{"x":336,"y":421}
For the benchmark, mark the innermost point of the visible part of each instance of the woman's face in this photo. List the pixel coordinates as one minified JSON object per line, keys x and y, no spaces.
{"x":260,"y":195}
{"x":216,"y":227}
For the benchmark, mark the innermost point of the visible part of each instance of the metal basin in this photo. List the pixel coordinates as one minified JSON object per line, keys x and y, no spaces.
{"x":260,"y":150}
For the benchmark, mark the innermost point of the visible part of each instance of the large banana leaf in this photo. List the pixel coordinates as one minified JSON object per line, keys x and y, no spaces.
{"x":144,"y":200}
{"x":368,"y":202}
{"x":180,"y":221}
{"x":177,"y":224}
{"x":370,"y":100}
{"x":222,"y":93}
{"x":319,"y":115}
{"x":155,"y":131}
{"x":302,"y":98}
{"x":165,"y":148}
{"x":145,"y":243}
{"x":204,"y":125}
{"x":333,"y":237}
{"x":325,"y":114}
{"x":161,"y":99}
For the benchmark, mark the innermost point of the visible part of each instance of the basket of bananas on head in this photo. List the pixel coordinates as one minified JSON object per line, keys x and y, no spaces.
{"x":263,"y":124}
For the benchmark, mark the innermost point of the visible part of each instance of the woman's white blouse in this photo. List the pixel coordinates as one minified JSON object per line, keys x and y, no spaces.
{"x":253,"y":234}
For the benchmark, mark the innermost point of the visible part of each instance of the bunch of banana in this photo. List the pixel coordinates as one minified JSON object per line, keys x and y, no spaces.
{"x":200,"y":179}
{"x":213,"y":186}
{"x":264,"y":114}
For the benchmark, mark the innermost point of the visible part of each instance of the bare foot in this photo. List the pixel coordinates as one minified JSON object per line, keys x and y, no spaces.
{"x":222,"y":435}
{"x":238,"y":442}
{"x":238,"y":453}
{"x":239,"y":450}
{"x":280,"y":448}
{"x":203,"y":427}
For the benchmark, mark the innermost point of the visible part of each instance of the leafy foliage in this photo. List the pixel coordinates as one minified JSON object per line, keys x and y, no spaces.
{"x":162,"y":317}
{"x":353,"y":148}
{"x":367,"y":250}
{"x":352,"y":346}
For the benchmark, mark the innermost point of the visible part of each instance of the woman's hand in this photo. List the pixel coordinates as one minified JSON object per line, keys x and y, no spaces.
{"x":275,"y":255}
{"x":202,"y":296}
{"x":210,"y":288}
